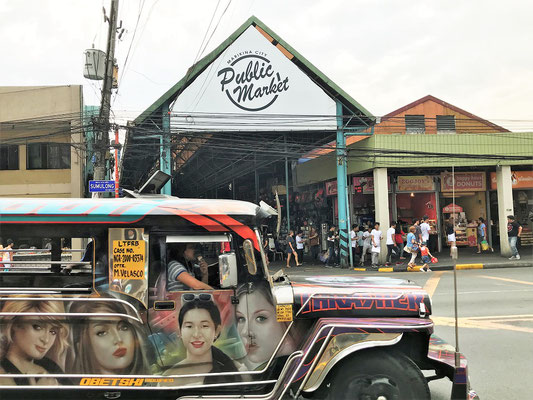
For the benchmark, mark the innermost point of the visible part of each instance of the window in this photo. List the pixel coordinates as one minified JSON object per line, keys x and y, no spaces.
{"x":415,"y":124}
{"x":48,"y":156}
{"x":445,"y":124}
{"x":9,"y":157}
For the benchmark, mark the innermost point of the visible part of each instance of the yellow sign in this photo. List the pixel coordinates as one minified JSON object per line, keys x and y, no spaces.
{"x":128,"y":259}
{"x":284,"y":312}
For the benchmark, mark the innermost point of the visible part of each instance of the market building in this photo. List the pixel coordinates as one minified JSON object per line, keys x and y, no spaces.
{"x":413,"y":151}
{"x":236,"y":124}
{"x":41,"y":141}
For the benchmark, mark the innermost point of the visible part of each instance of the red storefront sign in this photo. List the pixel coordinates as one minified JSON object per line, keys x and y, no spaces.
{"x":519,"y":179}
{"x":331,"y":188}
{"x":452,"y":208}
{"x":464,"y":182}
{"x":365,"y":184}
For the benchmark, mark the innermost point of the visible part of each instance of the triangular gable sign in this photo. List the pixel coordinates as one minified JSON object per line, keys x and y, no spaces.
{"x":253,"y":86}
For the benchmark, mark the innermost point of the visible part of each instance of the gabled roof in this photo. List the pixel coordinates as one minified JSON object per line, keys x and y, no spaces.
{"x":320,"y":79}
{"x":444,"y":104}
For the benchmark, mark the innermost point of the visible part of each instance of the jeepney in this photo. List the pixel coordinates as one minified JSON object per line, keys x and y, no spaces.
{"x":88,"y":310}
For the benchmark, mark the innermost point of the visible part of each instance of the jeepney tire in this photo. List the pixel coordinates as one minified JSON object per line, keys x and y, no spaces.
{"x":373,"y":373}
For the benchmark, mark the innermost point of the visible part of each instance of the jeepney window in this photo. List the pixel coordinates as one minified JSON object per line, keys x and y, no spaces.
{"x":195,"y":256}
{"x":56,"y":262}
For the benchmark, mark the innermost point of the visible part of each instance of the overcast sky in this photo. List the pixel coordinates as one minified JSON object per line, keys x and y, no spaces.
{"x":475,"y":54}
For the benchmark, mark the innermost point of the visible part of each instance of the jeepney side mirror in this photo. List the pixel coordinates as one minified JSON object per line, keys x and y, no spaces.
{"x":227,"y":265}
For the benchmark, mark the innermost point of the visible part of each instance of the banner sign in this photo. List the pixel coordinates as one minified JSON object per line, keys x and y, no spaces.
{"x":254,"y":86}
{"x":101,"y":186}
{"x":366,"y":183}
{"x":415,"y":183}
{"x":464,"y":182}
{"x":452,"y":208}
{"x":331,"y":188}
{"x":519,"y":179}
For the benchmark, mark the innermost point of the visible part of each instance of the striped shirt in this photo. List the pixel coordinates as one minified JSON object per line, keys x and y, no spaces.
{"x":175,"y":269}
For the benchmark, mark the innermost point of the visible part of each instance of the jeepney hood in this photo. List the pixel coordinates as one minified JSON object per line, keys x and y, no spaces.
{"x":342,"y":296}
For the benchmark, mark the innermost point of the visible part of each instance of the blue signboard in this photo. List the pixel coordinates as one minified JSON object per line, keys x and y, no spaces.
{"x":101,"y":186}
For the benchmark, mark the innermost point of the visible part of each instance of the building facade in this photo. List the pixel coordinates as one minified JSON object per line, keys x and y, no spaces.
{"x":42,"y":145}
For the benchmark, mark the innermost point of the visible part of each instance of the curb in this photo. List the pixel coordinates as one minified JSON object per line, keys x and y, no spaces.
{"x":416,"y":268}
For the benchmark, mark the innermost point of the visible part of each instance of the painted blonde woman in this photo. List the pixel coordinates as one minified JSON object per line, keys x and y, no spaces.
{"x":32,"y":344}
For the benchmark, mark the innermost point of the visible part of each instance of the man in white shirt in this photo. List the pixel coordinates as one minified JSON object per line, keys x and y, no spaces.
{"x":353,"y":239}
{"x":300,"y":247}
{"x":391,"y":244}
{"x":367,"y":244}
{"x":376,"y":244}
{"x":425,"y":228}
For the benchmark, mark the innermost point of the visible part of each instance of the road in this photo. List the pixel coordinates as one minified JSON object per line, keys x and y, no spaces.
{"x":496,"y":326}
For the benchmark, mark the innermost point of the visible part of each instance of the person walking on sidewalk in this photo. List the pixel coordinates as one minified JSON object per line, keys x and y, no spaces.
{"x":367,"y":244}
{"x":314,"y":243}
{"x":398,"y":239}
{"x":300,"y":247}
{"x":418,"y":232}
{"x":482,"y":236}
{"x":376,"y":237}
{"x":391,"y":243}
{"x":412,"y":245}
{"x":291,"y":249}
{"x":355,"y":247}
{"x":424,"y":230}
{"x":331,"y":247}
{"x":426,"y":257}
{"x":514,"y":230}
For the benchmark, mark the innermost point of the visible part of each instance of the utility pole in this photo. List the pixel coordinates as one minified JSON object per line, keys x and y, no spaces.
{"x":102,"y":135}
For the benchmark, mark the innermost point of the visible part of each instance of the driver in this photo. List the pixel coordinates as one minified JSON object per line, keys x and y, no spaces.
{"x":184,"y":270}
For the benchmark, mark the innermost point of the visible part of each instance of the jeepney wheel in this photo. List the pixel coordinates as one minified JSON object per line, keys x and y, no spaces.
{"x":378,"y":375}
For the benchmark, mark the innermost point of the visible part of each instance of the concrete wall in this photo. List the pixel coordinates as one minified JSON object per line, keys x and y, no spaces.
{"x":42,"y":114}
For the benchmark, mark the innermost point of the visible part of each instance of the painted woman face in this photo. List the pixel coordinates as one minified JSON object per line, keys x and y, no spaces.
{"x":33,"y":338}
{"x":258,"y":328}
{"x":198,"y":332}
{"x":113,"y":344}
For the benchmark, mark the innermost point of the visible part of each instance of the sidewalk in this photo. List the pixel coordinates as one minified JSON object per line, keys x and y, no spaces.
{"x":468,"y":259}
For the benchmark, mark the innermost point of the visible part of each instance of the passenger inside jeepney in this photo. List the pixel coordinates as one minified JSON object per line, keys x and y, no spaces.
{"x":185,"y":269}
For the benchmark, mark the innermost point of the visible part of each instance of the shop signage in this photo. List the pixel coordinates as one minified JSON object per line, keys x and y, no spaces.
{"x":464,"y":182}
{"x":519,"y":179}
{"x":452,"y":208}
{"x":415,"y":183}
{"x":250,"y":78}
{"x":366,"y":183}
{"x":331,"y":188}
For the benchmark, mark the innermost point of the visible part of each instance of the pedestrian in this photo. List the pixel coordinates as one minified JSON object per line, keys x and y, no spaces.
{"x":7,"y":255}
{"x":353,"y":239}
{"x":424,"y":230}
{"x":291,"y":249}
{"x":331,"y":247}
{"x":450,"y":234}
{"x":360,"y":240}
{"x":367,"y":244}
{"x":426,"y":257}
{"x":391,"y":244}
{"x":411,"y":246}
{"x":482,"y":236}
{"x":418,"y":233}
{"x":300,"y":247}
{"x":376,"y":244}
{"x":398,"y":239}
{"x":514,"y":230}
{"x":314,"y":243}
